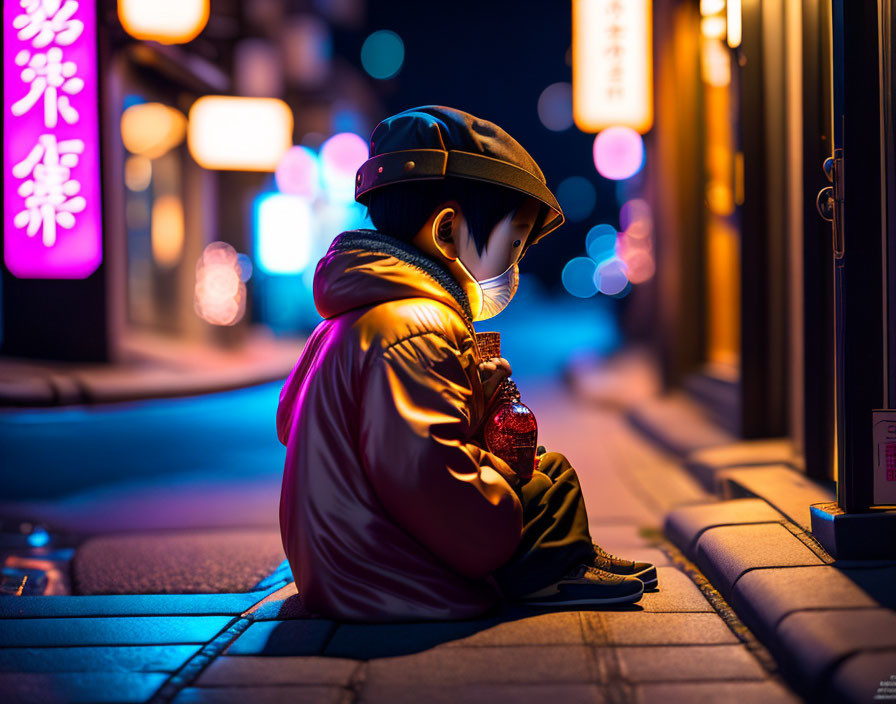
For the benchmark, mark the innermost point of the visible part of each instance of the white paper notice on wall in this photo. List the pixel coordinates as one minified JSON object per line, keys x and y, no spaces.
{"x":884,"y":431}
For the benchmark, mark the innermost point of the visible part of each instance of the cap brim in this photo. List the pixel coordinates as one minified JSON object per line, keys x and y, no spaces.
{"x":428,"y":164}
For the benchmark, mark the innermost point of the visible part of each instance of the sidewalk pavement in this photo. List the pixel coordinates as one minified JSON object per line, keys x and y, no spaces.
{"x":680,"y":643}
{"x":830,"y":624}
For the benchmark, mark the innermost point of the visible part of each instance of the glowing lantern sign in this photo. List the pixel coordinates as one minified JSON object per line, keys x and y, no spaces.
{"x":612,"y":67}
{"x":242,"y":134}
{"x":52,"y":219}
{"x":164,"y":21}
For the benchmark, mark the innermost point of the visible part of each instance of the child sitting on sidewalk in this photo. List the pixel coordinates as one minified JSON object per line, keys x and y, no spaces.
{"x":391,"y":506}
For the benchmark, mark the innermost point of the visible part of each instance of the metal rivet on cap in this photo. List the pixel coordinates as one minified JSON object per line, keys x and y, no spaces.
{"x":409,"y":165}
{"x":358,"y":179}
{"x":379,"y":170}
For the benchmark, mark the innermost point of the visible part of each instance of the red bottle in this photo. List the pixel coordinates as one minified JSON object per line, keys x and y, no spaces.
{"x":510,"y":431}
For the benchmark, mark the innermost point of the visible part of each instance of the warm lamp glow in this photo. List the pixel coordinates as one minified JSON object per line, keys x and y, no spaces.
{"x":713,"y":27}
{"x":711,"y":7}
{"x":164,"y":21}
{"x":241,"y":134}
{"x":151,"y":129}
{"x":167,"y":230}
{"x":612,"y":66}
{"x":618,"y":153}
{"x":735,"y":23}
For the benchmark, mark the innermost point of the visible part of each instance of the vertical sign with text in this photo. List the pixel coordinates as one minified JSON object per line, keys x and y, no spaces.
{"x":52,"y":220}
{"x":612,"y":64}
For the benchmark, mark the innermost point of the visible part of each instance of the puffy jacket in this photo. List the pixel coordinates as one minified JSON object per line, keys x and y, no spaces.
{"x":389,"y":509}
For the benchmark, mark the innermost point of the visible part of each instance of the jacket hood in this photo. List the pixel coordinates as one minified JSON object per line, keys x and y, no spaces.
{"x":365,"y":267}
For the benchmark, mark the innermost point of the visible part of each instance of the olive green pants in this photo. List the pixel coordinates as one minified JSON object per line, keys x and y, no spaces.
{"x":555,"y":534}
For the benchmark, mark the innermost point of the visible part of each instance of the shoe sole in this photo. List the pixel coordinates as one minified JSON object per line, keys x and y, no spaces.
{"x":568,"y":601}
{"x":647,"y":576}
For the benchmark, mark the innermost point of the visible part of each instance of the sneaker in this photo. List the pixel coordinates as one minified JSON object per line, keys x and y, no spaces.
{"x":587,"y":585}
{"x":644,"y":571}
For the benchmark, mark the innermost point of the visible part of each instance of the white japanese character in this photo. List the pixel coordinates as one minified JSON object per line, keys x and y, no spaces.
{"x":48,"y":75}
{"x":44,"y":21}
{"x":51,"y":195}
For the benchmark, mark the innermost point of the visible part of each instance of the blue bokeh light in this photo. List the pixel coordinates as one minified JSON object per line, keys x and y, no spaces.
{"x":600,"y":242}
{"x":38,"y":538}
{"x":577,"y":198}
{"x":578,"y":277}
{"x":382,"y":54}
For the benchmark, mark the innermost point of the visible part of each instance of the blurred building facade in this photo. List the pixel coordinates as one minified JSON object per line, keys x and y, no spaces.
{"x":772,"y":301}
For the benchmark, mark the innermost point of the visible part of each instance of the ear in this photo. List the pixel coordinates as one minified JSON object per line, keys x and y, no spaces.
{"x":444,"y":230}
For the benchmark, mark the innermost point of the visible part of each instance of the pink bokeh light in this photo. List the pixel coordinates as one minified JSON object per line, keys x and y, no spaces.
{"x":618,"y":152}
{"x":297,"y":172}
{"x":52,"y":221}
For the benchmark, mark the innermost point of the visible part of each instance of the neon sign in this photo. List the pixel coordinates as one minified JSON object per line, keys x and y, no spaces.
{"x":52,"y":219}
{"x":612,"y":67}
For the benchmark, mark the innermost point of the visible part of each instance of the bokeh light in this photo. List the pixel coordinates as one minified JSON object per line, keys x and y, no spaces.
{"x":600,"y":242}
{"x":137,"y":173}
{"x":152,"y":129}
{"x":307,"y":50}
{"x":164,"y":21}
{"x":298,"y":172}
{"x":283,"y":227}
{"x":577,"y":198}
{"x":220,"y":295}
{"x":340,"y":157}
{"x":610,"y":276}
{"x":167,"y":230}
{"x":578,"y":277}
{"x":618,"y":152}
{"x":244,"y":134}
{"x":382,"y":54}
{"x":634,"y":210}
{"x":555,"y":106}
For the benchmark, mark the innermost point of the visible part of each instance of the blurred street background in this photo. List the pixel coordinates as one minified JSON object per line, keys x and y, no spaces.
{"x":708,"y":338}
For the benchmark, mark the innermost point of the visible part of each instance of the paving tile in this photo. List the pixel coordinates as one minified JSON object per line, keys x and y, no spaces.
{"x":267,"y":670}
{"x":485,"y":694}
{"x":695,"y":663}
{"x":685,"y":525}
{"x":763,"y":597}
{"x":132,"y":630}
{"x":627,"y":628}
{"x":130,"y":658}
{"x":741,"y":454}
{"x":452,"y":667}
{"x":811,"y":641}
{"x":76,"y":687}
{"x":261,"y":695}
{"x":375,"y":640}
{"x":678,"y":424}
{"x":878,"y":582}
{"x":865,"y":676}
{"x":676,"y":592}
{"x":715,"y":692}
{"x":295,"y":637}
{"x":556,"y":628}
{"x":789,"y":491}
{"x":128,"y":605}
{"x":727,"y":552}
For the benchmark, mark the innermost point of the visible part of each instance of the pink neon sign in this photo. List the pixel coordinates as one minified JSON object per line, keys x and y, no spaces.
{"x":52,"y":214}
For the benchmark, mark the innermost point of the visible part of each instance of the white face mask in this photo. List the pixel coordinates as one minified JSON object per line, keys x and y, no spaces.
{"x":497,"y":292}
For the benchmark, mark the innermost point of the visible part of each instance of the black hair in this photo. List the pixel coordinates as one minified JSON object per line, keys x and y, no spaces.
{"x":401,"y":209}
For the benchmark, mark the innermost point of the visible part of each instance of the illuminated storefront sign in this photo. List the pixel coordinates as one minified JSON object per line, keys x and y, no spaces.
{"x":612,"y":67}
{"x":52,"y":219}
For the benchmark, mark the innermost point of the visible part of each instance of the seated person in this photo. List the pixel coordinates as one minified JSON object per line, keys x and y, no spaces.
{"x":392,"y":508}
